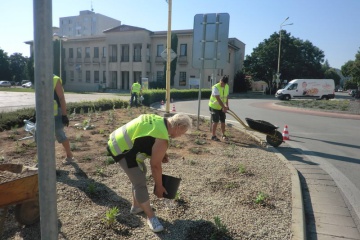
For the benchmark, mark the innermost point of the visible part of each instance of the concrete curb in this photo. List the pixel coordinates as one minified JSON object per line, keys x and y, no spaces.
{"x":298,"y":226}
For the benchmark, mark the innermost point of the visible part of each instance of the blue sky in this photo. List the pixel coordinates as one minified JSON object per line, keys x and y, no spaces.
{"x":331,"y":25}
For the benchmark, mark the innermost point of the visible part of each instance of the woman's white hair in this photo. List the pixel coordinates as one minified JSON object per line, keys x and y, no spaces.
{"x":181,"y":121}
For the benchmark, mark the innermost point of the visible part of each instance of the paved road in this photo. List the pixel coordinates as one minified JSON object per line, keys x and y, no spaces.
{"x":10,"y":101}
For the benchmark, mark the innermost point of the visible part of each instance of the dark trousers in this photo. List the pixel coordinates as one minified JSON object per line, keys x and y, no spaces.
{"x":134,"y":95}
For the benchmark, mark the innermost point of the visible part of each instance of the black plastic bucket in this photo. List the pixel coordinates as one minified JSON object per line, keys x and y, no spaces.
{"x":171,"y":184}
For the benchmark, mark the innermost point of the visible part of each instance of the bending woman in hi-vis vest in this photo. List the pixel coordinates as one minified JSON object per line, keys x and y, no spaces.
{"x":146,"y":136}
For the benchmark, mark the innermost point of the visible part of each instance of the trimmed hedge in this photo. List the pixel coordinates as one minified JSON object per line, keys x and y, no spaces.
{"x":10,"y":120}
{"x":156,"y":95}
{"x":16,"y":119}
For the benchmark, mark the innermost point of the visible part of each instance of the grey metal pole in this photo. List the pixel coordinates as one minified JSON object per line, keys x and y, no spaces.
{"x":203,"y":41}
{"x":45,"y":138}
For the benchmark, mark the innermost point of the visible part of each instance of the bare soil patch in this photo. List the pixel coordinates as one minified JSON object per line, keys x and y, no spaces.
{"x":229,"y":190}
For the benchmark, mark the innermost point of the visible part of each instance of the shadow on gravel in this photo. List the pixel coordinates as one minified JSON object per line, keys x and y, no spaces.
{"x":98,"y":192}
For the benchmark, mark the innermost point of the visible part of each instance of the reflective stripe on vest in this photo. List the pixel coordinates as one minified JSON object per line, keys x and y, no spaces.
{"x":125,"y":137}
{"x":223,"y":91}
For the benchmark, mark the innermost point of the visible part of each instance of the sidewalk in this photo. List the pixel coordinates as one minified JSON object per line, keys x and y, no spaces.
{"x":326,"y":213}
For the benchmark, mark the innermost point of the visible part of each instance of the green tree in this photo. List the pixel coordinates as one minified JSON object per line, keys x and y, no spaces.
{"x":355,"y":70}
{"x":346,"y":68}
{"x":18,"y":67}
{"x":4,"y":66}
{"x":241,"y":84}
{"x":298,"y":59}
{"x":332,"y":74}
{"x":30,"y":69}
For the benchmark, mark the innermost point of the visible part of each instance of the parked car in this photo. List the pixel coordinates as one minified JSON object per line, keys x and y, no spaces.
{"x":354,"y":92}
{"x":24,"y":81}
{"x":350,"y":91}
{"x":27,"y":85}
{"x":5,"y":84}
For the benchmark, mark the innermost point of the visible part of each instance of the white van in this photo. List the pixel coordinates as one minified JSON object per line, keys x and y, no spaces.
{"x":307,"y":89}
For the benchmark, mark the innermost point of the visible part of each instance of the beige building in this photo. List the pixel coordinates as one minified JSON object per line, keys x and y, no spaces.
{"x":125,"y":53}
{"x":113,"y":58}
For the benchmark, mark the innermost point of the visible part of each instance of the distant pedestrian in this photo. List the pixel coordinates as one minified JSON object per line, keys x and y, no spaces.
{"x":218,"y":105}
{"x":135,"y":91}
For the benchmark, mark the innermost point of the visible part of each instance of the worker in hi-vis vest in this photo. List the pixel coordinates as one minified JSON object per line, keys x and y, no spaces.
{"x":61,"y":119}
{"x":218,"y":105}
{"x":146,"y":136}
{"x":135,"y":91}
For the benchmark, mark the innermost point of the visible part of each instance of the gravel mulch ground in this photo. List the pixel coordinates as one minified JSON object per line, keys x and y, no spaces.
{"x":229,"y":190}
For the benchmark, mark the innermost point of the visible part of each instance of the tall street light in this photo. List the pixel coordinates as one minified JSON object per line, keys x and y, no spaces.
{"x":60,"y":38}
{"x":278,"y":66}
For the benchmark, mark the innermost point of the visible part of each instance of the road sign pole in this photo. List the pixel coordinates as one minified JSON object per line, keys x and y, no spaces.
{"x":168,"y":60}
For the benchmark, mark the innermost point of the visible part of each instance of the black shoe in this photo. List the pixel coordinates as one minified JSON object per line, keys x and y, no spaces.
{"x":214,"y":138}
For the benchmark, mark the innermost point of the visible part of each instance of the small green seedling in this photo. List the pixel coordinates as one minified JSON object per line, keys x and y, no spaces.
{"x":91,"y":188}
{"x":220,"y":231}
{"x":260,"y":198}
{"x":110,"y":216}
{"x":242,"y":169}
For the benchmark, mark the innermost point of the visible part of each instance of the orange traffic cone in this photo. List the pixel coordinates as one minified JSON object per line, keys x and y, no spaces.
{"x":162,"y":102}
{"x":286,"y":133}
{"x":173,"y":108}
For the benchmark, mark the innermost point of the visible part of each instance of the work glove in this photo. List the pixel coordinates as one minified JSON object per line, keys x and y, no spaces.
{"x":65,"y":120}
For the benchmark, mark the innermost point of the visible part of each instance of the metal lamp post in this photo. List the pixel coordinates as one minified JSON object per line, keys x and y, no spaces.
{"x":278,"y":66}
{"x":60,"y":38}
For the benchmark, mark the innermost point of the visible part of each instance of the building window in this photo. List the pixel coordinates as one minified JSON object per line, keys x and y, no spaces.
{"x":87,"y":77}
{"x":183,"y":50}
{"x":71,"y":53}
{"x":137,"y":76}
{"x":159,"y":50}
{"x":104,"y":77}
{"x":220,"y":72}
{"x":113,"y":79}
{"x":125,"y":53}
{"x":71,"y":76}
{"x":96,"y":76}
{"x":159,"y":76}
{"x":137,"y":53}
{"x":79,"y":75}
{"x":78,"y":52}
{"x":125,"y":80}
{"x":229,"y":57}
{"x":182,"y":79}
{"x":96,"y":52}
{"x":87,"y":52}
{"x":113,"y":53}
{"x":104,"y":52}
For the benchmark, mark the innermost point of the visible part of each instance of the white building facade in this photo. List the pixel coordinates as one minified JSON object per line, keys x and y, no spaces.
{"x":98,"y":55}
{"x":127,"y":53}
{"x":87,"y":23}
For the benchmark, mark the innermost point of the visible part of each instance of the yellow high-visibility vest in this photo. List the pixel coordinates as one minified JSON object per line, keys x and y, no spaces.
{"x":56,"y":106}
{"x":136,"y":87}
{"x":224,"y":93}
{"x":146,"y":125}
